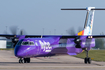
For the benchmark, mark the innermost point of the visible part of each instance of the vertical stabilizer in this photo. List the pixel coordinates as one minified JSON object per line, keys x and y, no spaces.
{"x":89,"y":21}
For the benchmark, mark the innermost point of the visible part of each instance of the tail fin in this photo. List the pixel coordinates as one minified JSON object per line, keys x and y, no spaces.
{"x":88,"y":22}
{"x":80,"y":33}
{"x":89,"y":19}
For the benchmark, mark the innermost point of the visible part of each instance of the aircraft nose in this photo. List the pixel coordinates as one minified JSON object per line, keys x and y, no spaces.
{"x":20,"y":53}
{"x":24,"y":51}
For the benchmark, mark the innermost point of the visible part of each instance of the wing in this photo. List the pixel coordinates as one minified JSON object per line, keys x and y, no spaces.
{"x":62,"y":36}
{"x":5,"y":35}
{"x":98,"y":36}
{"x":26,"y":36}
{"x":67,"y":36}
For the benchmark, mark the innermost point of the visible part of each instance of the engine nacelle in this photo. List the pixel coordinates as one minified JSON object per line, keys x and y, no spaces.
{"x":15,"y":40}
{"x":83,"y":43}
{"x":77,"y":40}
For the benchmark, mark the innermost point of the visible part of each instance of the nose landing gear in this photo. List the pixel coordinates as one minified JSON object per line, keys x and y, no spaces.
{"x":20,"y":60}
{"x":26,"y":60}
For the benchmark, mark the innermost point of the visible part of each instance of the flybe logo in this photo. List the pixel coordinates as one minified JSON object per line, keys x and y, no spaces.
{"x":45,"y":46}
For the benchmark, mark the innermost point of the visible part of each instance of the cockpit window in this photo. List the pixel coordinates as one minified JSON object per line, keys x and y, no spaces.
{"x":28,"y":43}
{"x":19,"y":43}
{"x":25,"y":43}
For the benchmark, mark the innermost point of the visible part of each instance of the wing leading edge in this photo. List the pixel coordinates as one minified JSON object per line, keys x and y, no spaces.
{"x":62,"y":36}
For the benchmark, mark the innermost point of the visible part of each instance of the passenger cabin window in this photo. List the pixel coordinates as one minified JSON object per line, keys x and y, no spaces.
{"x":31,"y":43}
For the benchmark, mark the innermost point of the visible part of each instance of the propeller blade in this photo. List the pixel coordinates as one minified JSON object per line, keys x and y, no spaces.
{"x":13,"y":30}
{"x":71,"y":31}
{"x":80,"y":29}
{"x":22,"y":32}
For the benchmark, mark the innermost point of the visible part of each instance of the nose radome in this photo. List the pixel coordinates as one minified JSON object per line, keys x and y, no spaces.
{"x":24,"y":51}
{"x":20,"y":53}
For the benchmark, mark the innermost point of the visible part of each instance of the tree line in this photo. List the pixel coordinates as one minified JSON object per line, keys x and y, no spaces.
{"x":100,"y":43}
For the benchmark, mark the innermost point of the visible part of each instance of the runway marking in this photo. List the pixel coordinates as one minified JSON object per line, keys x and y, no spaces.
{"x":13,"y":57}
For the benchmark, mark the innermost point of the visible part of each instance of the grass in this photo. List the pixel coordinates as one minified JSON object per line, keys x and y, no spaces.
{"x":6,"y":49}
{"x":96,"y":55}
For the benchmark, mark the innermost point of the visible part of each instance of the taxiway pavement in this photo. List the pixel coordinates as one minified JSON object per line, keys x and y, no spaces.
{"x":65,"y":62}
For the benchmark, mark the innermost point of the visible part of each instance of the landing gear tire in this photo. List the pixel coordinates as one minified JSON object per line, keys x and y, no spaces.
{"x":20,"y":60}
{"x":26,"y":60}
{"x":87,"y":60}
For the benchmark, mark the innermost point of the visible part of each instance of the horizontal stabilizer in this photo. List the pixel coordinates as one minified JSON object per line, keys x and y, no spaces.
{"x":82,"y":9}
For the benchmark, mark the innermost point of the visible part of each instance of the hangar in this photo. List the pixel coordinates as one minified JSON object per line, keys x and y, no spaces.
{"x":5,"y":43}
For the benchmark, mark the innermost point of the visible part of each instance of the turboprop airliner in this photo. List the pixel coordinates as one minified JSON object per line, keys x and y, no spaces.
{"x":27,"y":46}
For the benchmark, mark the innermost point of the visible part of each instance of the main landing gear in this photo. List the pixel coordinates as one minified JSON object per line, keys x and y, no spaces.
{"x":25,"y":60}
{"x":87,"y":59}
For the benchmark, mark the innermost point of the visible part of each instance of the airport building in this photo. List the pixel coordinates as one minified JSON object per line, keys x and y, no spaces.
{"x":5,"y":43}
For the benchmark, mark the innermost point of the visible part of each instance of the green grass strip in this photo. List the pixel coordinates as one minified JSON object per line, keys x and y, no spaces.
{"x":96,"y":55}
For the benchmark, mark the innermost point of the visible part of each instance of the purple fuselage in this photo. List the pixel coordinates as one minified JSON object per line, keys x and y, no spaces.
{"x":49,"y":46}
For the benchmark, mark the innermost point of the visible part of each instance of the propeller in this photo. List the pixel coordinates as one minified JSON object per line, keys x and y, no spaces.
{"x":14,"y":30}
{"x":22,"y":32}
{"x":71,"y":31}
{"x":77,"y":40}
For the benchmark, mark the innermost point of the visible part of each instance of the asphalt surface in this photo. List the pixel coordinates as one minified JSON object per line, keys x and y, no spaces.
{"x":65,"y":62}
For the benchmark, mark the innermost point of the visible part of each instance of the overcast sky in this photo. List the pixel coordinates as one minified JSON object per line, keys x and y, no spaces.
{"x":46,"y":17}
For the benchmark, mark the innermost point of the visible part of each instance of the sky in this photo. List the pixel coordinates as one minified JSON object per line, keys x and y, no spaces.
{"x":45,"y":17}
